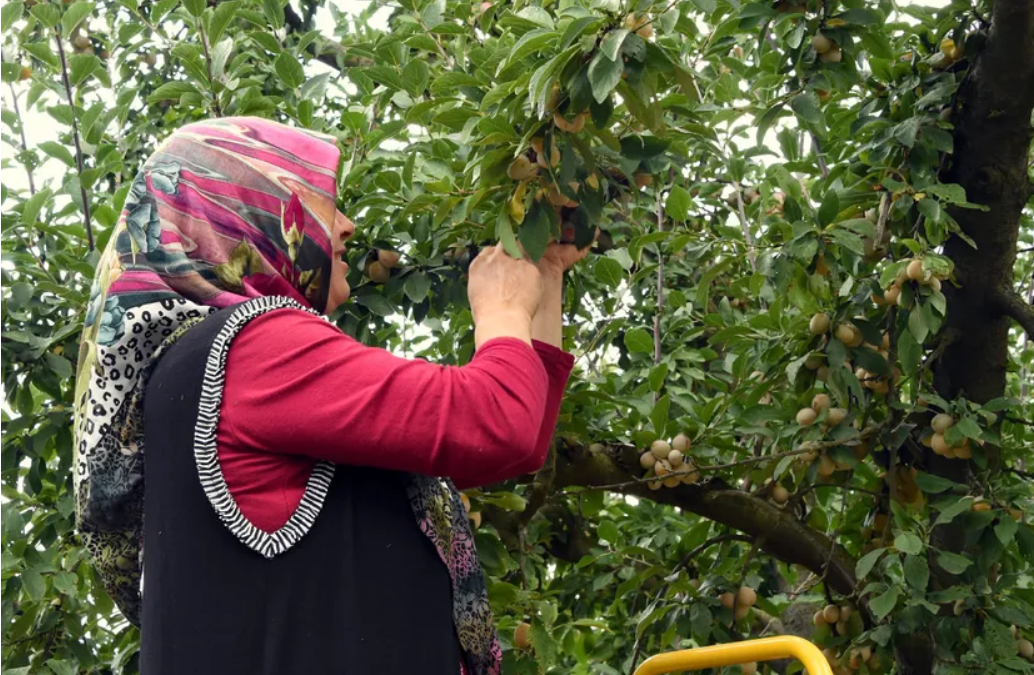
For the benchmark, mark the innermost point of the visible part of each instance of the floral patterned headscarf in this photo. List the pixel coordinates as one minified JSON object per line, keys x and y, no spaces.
{"x":225,"y":210}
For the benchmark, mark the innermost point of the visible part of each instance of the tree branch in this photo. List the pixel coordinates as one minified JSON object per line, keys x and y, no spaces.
{"x":75,"y":136}
{"x":1014,"y":306}
{"x":784,"y":536}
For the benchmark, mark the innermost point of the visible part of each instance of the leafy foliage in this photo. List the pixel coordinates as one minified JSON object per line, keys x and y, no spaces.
{"x":742,"y":181}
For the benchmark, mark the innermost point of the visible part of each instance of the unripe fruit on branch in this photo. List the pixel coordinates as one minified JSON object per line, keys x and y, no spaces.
{"x":660,"y":449}
{"x":939,"y":445}
{"x":935,"y":284}
{"x":849,"y":335}
{"x":521,"y":169}
{"x":387,"y":259}
{"x":522,"y":636}
{"x":820,"y":43}
{"x":377,"y":272}
{"x":81,"y":41}
{"x":827,"y":467}
{"x":570,"y":127}
{"x":746,"y":596}
{"x":831,"y":613}
{"x":915,"y":270}
{"x":834,"y":55}
{"x":941,"y":422}
{"x":681,"y":443}
{"x":1024,"y":648}
{"x":671,"y":481}
{"x":806,"y":417}
{"x":675,"y":459}
{"x":554,"y":153}
{"x":728,"y":600}
{"x":662,"y":468}
{"x":741,"y":612}
{"x":891,"y":295}
{"x":819,"y":619}
{"x":647,"y":460}
{"x":835,"y":416}
{"x":821,"y":402}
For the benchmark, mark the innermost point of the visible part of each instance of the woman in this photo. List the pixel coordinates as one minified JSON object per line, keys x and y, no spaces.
{"x":299,"y":513}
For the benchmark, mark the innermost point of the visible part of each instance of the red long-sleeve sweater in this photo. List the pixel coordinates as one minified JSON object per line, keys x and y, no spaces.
{"x":298,"y":390}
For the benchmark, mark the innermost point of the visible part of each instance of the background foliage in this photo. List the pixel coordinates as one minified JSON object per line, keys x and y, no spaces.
{"x":743,"y":183}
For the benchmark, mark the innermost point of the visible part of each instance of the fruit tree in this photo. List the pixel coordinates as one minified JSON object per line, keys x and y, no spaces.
{"x":802,"y":401}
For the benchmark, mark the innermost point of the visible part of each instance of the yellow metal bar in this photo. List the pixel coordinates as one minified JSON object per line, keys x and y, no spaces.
{"x":765,"y":649}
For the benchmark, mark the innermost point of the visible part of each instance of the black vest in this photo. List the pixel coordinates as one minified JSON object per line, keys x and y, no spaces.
{"x":363,"y":591}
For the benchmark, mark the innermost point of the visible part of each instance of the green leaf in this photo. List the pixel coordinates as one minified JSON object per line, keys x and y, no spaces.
{"x":534,"y":232}
{"x":73,"y":15}
{"x":932,"y":484}
{"x":543,"y":643}
{"x":34,"y":585}
{"x":608,"y":271}
{"x":11,"y":12}
{"x":604,"y":75}
{"x":82,"y":66}
{"x":678,"y":203}
{"x":417,"y":286}
{"x":829,"y":209}
{"x":530,"y":43}
{"x":447,"y":82}
{"x":61,"y":667}
{"x":952,"y":563}
{"x":884,"y":604}
{"x":909,"y":352}
{"x":657,"y":375}
{"x":806,"y":106}
{"x":867,"y":561}
{"x":947,"y":515}
{"x":639,"y":340}
{"x":659,"y":414}
{"x":930,"y":208}
{"x":905,"y":133}
{"x":377,"y":304}
{"x":917,"y":572}
{"x":504,"y":232}
{"x":171,"y":91}
{"x":610,"y":45}
{"x":415,"y":77}
{"x":289,"y":70}
{"x":223,"y":14}
{"x":1005,"y":530}
{"x":33,"y":205}
{"x":274,"y":12}
{"x":906,"y":542}
{"x":195,"y":7}
{"x":47,"y":13}
{"x":608,"y":531}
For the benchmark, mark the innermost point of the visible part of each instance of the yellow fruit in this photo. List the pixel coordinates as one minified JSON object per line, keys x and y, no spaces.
{"x":660,"y":449}
{"x":942,"y":422}
{"x":521,"y":169}
{"x":81,"y":41}
{"x":819,"y":324}
{"x":834,"y":55}
{"x":935,"y":284}
{"x":466,"y":502}
{"x":827,"y":467}
{"x":957,"y":53}
{"x":746,"y":596}
{"x":681,"y":443}
{"x":981,"y":506}
{"x":750,"y":668}
{"x":835,"y":416}
{"x":387,"y":259}
{"x":845,"y":612}
{"x":377,"y":272}
{"x":554,"y":153}
{"x":938,"y":444}
{"x":643,"y":180}
{"x":150,"y":59}
{"x":780,"y":495}
{"x":741,"y":612}
{"x":821,"y":402}
{"x":822,"y":373}
{"x":819,"y":619}
{"x":947,"y":46}
{"x":675,"y":459}
{"x":655,"y":485}
{"x":661,"y":468}
{"x":1024,"y":648}
{"x":522,"y":636}
{"x":891,"y":295}
{"x":821,"y":44}
{"x":671,"y":481}
{"x":814,"y":361}
{"x":592,"y":181}
{"x":915,"y":270}
{"x":806,"y":417}
{"x":645,"y":32}
{"x":964,"y":451}
{"x":728,"y":600}
{"x":647,"y":460}
{"x":831,"y":613}
{"x":25,"y":73}
{"x":475,"y":518}
{"x":571,"y":127}
{"x":885,"y":343}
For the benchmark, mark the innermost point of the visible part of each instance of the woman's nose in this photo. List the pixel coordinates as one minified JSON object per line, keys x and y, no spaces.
{"x":345,"y":226}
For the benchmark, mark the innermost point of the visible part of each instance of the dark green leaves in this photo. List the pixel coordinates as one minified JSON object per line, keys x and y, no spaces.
{"x":604,"y":75}
{"x":806,"y":106}
{"x":639,"y":340}
{"x":678,"y":203}
{"x":608,"y":271}
{"x":535,"y":230}
{"x":884,"y":603}
{"x":289,"y":70}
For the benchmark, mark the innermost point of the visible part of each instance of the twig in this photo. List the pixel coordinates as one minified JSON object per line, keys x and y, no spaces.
{"x":660,"y":290}
{"x":817,"y":147}
{"x":751,"y":255}
{"x":208,"y":67}
{"x":75,"y":137}
{"x":881,"y":221}
{"x":25,"y":144}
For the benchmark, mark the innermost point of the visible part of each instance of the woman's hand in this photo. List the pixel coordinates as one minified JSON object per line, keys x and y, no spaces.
{"x":504,"y":295}
{"x":559,"y":258}
{"x":548,"y":325}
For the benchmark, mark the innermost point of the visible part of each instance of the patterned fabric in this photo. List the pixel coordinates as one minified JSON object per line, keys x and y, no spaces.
{"x":226,"y":210}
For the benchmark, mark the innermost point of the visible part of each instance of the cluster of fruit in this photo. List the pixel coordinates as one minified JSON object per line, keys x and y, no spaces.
{"x":851,"y":337}
{"x":740,"y":602}
{"x":828,"y":50}
{"x":668,"y":462}
{"x":916,"y":272}
{"x":379,"y":270}
{"x":940,"y":445}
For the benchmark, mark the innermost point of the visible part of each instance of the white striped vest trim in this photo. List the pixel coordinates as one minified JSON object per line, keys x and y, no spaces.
{"x":206,"y":456}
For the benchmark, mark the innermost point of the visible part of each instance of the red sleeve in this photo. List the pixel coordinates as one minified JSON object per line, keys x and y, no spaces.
{"x":295,"y":384}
